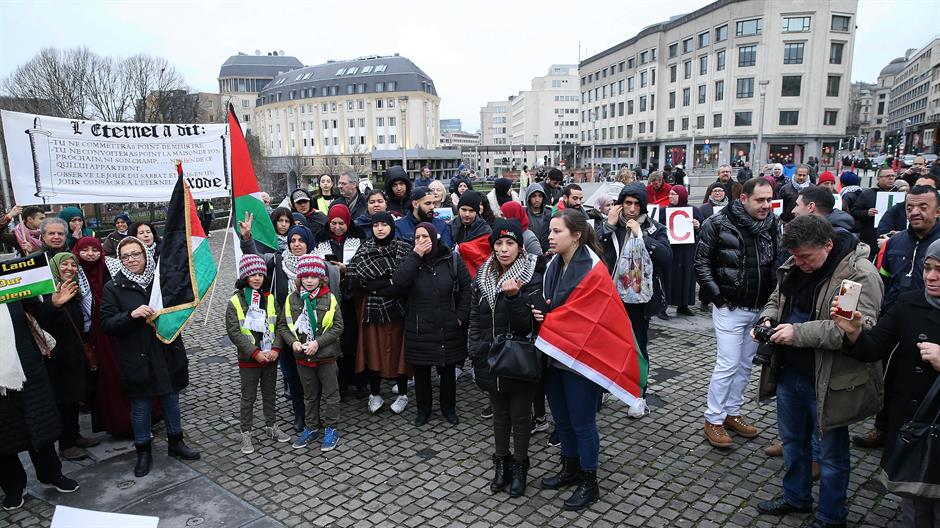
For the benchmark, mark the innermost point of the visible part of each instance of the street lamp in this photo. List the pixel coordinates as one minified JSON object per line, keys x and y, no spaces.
{"x":904,"y":136}
{"x":402,"y":132}
{"x":760,"y":124}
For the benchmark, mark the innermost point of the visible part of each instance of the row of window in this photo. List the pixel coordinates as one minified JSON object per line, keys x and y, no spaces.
{"x":332,"y":91}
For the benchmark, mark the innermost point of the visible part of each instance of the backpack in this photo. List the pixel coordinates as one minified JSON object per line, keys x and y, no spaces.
{"x":633,"y":272}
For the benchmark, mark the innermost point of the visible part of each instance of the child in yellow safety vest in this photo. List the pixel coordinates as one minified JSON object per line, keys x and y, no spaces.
{"x":251,"y":324}
{"x":310,"y":326}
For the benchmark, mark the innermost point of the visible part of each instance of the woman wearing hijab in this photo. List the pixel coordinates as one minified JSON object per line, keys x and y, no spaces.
{"x":75,"y":218}
{"x":122,"y":224}
{"x":438,"y":287}
{"x":282,"y":281}
{"x":375,"y":203}
{"x":381,"y":308}
{"x":150,"y":369}
{"x":680,"y":275}
{"x":907,"y":338}
{"x":502,"y":192}
{"x":515,"y":211}
{"x":147,"y":233}
{"x":463,"y":185}
{"x":715,"y":199}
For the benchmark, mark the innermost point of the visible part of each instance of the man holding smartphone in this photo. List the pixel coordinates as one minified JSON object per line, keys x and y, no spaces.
{"x":809,"y":372}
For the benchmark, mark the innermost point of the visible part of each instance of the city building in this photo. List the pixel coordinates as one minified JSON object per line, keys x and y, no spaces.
{"x":494,"y":139}
{"x":735,"y":80}
{"x":243,"y":76}
{"x":859,"y":126}
{"x":913,"y":116}
{"x":467,"y":143}
{"x":359,"y":115}
{"x":452,"y":125}
{"x":880,"y":97}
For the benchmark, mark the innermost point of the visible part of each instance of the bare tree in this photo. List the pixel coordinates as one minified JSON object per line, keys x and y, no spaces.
{"x":156,"y":88}
{"x":55,"y":81}
{"x":109,"y":89}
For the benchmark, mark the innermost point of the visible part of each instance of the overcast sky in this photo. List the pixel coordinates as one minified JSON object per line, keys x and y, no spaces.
{"x":474,"y":51}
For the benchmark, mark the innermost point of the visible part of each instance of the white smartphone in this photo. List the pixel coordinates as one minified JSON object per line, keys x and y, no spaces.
{"x":848,"y":296}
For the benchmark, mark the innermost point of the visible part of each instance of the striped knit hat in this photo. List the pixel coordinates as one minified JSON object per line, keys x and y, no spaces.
{"x":311,"y":266}
{"x":250,"y":265}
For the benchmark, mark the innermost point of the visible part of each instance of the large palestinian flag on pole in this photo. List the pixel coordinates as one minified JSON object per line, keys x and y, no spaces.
{"x":591,"y":334}
{"x":186,"y":269}
{"x":246,"y":196}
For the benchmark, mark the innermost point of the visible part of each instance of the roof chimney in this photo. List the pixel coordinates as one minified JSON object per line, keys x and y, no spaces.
{"x":257,"y":52}
{"x":281,"y":52}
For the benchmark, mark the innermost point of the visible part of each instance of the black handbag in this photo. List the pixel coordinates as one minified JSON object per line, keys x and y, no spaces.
{"x":912,"y":467}
{"x":514,"y":358}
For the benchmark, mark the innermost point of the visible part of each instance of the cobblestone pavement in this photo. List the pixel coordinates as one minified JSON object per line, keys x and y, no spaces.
{"x":656,"y":471}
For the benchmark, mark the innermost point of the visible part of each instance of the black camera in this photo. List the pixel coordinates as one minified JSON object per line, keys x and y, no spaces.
{"x":765,"y":350}
{"x":763,"y":333}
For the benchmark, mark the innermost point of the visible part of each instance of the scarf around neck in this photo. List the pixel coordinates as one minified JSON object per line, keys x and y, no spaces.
{"x":24,"y":235}
{"x":289,"y":266}
{"x":715,"y":203}
{"x":760,"y":229}
{"x":116,"y":265}
{"x":491,"y":281}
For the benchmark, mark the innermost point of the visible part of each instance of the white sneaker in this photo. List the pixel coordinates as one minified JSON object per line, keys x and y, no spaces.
{"x":275,"y":433}
{"x":247,"y":448}
{"x":399,"y":404}
{"x":411,"y":383}
{"x":375,"y":403}
{"x":605,"y":398}
{"x":638,"y":409}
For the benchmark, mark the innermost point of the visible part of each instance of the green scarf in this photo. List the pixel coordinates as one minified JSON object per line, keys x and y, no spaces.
{"x":310,"y":304}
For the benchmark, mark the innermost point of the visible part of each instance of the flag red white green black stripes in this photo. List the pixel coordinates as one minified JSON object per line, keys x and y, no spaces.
{"x":246,"y":195}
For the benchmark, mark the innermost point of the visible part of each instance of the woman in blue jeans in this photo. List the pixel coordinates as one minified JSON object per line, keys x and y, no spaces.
{"x":149,"y":369}
{"x":573,"y":398}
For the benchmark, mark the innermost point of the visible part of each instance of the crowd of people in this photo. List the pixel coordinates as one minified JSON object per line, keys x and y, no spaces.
{"x":408,"y":282}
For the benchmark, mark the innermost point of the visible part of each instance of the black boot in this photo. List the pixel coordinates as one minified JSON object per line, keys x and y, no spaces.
{"x":570,"y":474}
{"x":585,"y":494}
{"x":520,"y":471}
{"x":144,"y":459}
{"x":299,"y":424}
{"x":503,"y":473}
{"x":176,"y":447}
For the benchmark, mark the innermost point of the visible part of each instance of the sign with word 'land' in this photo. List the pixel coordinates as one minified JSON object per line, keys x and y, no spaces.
{"x":24,"y":278}
{"x":59,"y":161}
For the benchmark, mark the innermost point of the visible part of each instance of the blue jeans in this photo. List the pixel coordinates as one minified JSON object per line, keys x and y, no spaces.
{"x":141,"y":409}
{"x":796,"y":408}
{"x":289,"y":371}
{"x":573,"y":400}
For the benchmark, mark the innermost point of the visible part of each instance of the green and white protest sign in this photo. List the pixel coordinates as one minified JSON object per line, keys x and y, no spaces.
{"x":24,"y":278}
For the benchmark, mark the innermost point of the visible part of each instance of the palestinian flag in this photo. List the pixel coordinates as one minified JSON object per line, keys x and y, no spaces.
{"x":590,"y":332}
{"x":186,"y":269}
{"x":474,"y":253}
{"x":246,"y":196}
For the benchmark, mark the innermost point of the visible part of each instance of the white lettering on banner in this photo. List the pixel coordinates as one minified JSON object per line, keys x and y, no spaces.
{"x":777,"y":206}
{"x":884,"y":201}
{"x":679,"y":225}
{"x":59,"y":161}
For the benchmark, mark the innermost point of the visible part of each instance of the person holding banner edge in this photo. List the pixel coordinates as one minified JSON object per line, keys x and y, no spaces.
{"x":25,"y":236}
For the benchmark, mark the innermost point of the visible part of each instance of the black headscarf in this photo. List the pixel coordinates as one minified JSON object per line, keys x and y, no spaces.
{"x":438,"y":251}
{"x":385,"y":217}
{"x":503,"y":188}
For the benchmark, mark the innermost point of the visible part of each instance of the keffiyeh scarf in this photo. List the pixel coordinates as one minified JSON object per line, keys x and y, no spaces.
{"x":491,"y":282}
{"x":289,"y":266}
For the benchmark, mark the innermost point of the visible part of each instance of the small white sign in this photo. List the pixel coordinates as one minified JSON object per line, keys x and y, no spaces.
{"x":679,"y":225}
{"x":884,"y":201}
{"x":66,"y":517}
{"x":777,"y":206}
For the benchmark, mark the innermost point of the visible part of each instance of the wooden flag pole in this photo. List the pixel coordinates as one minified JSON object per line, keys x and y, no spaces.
{"x":218,"y":267}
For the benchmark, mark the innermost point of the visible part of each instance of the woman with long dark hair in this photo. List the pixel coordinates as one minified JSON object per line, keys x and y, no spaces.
{"x":376,"y":202}
{"x":147,"y":233}
{"x":324,"y":193}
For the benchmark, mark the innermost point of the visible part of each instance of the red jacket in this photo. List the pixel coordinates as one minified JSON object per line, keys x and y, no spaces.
{"x":660,"y":198}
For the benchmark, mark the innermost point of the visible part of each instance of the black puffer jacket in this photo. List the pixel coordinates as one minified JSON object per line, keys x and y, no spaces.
{"x":726,"y":267}
{"x":433,"y":335}
{"x":510,"y":313}
{"x":148,"y":367}
{"x":29,"y":416}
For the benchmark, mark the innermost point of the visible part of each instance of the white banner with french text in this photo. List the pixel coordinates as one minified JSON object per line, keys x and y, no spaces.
{"x":65,"y":161}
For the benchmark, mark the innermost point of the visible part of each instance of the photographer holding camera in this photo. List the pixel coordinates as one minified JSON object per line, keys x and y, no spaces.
{"x":808,"y":371}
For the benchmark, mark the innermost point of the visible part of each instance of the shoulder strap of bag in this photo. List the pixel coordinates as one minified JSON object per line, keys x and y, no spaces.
{"x":932,"y":398}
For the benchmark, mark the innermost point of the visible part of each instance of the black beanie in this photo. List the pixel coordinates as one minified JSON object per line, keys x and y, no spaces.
{"x":470,"y":199}
{"x":506,"y":228}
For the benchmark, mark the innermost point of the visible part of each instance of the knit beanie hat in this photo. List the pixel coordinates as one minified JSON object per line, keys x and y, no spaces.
{"x":506,"y":228}
{"x":471,"y":199}
{"x":250,"y":265}
{"x":826,"y":176}
{"x":850,"y":178}
{"x":310,"y":266}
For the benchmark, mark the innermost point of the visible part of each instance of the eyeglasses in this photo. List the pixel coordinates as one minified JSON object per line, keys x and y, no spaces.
{"x":131,"y":256}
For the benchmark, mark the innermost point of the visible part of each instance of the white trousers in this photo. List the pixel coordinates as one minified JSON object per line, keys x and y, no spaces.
{"x":733,"y":367}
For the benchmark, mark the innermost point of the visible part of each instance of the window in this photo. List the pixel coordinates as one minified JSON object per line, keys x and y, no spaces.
{"x":381,"y":140}
{"x":746,"y":28}
{"x":701,"y":94}
{"x":829,"y":117}
{"x":619,"y":67}
{"x":392,"y":139}
{"x":703,"y":65}
{"x":793,"y":53}
{"x":631,"y":63}
{"x":795,"y":24}
{"x":629,"y":131}
{"x":704,"y":39}
{"x":391,"y":103}
{"x":742,"y":119}
{"x":350,"y":89}
{"x":360,"y":104}
{"x":380,"y":121}
{"x":352,"y":140}
{"x":747,"y":56}
{"x":840,"y":23}
{"x":642,"y":127}
{"x":745,"y":88}
{"x":700,"y":122}
{"x":673,"y":50}
{"x":605,"y":73}
{"x":378,"y":103}
{"x":620,"y":87}
{"x":391,"y":85}
{"x":790,"y":87}
{"x":350,"y":123}
{"x":642,"y":103}
{"x":832,"y":85}
{"x":672,"y":99}
{"x":719,"y":90}
{"x":361,"y":88}
{"x":686,"y":96}
{"x":391,"y":121}
{"x":643,"y":78}
{"x":685,"y":123}
{"x":721,"y":33}
{"x":789,"y":117}
{"x":653,"y":77}
{"x":687,"y":69}
{"x":326,"y":124}
{"x":556,"y":83}
{"x":367,"y":69}
{"x":716,"y":121}
{"x":672,"y":73}
{"x":340,"y":71}
{"x":652,"y":58}
{"x":349,"y":105}
{"x":671,"y":125}
{"x":835,"y":52}
{"x":631,"y":84}
{"x":620,"y":109}
{"x":379,"y":69}
{"x":362,"y":122}
{"x":687,"y":45}
{"x":720,"y":61}
{"x":644,"y":57}
{"x":630,"y":107}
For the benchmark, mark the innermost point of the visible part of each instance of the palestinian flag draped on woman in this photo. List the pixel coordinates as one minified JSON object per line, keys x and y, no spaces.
{"x":588,"y":329}
{"x":246,"y":196}
{"x":186,"y":269}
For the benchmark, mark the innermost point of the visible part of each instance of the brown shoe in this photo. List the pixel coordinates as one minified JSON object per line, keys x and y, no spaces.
{"x":740,"y":427}
{"x":83,"y":441}
{"x":73,"y":453}
{"x":774,"y":450}
{"x":815,"y":470}
{"x":870,"y":440}
{"x":717,"y":435}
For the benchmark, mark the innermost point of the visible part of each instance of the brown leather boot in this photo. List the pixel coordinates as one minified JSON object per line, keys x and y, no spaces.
{"x":740,"y":427}
{"x":870,"y":440}
{"x":717,"y":435}
{"x":774,"y":450}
